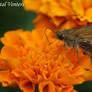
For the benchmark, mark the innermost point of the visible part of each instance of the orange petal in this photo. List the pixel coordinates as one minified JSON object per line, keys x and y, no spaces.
{"x":26,"y":85}
{"x":46,"y":86}
{"x":9,"y":52}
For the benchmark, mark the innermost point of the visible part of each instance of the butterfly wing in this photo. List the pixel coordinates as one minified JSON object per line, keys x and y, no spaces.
{"x":84,"y":32}
{"x":85,"y":38}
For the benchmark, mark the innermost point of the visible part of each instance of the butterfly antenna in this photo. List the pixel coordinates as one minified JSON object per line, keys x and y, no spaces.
{"x":47,"y":37}
{"x":53,"y":31}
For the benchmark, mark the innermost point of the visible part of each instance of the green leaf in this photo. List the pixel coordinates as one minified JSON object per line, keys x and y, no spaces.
{"x":36,"y":88}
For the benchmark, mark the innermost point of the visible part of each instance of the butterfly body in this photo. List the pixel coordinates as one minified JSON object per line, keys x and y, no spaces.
{"x":78,"y":37}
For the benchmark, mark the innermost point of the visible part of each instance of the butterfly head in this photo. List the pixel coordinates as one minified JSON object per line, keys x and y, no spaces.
{"x":60,"y":35}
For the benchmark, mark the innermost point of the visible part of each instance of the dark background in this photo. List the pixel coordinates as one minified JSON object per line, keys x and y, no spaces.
{"x":12,"y":18}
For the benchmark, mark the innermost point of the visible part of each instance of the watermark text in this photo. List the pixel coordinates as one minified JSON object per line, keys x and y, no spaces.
{"x":11,"y":4}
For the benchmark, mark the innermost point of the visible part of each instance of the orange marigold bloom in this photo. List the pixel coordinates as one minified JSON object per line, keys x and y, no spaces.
{"x":27,"y":59}
{"x":57,"y":10}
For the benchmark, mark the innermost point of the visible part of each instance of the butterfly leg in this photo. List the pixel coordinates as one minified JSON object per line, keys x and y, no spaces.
{"x":76,"y":47}
{"x":66,"y":52}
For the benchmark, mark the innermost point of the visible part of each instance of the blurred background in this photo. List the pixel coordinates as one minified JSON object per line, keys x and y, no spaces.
{"x":12,"y":18}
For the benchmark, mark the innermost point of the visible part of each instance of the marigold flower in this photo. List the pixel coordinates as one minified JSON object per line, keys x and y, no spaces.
{"x":37,"y":57}
{"x":27,"y":59}
{"x":57,"y":10}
